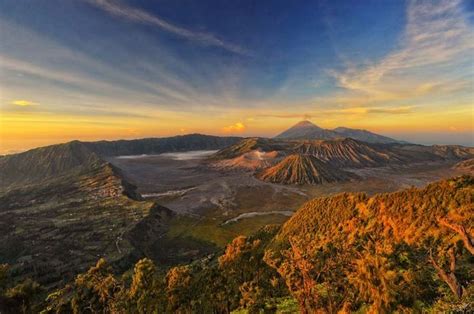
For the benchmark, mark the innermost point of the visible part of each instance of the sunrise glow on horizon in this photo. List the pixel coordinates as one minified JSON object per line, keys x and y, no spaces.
{"x":103,"y":69}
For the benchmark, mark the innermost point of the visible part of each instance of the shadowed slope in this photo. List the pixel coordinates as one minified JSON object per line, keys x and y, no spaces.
{"x":46,"y":162}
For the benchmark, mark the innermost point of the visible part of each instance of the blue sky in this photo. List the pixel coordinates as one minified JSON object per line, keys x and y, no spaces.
{"x":152,"y":68}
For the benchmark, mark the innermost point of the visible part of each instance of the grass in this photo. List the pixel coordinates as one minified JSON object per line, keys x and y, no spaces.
{"x":211,"y":230}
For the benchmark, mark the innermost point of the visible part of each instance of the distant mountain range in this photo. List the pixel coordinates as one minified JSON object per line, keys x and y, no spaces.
{"x":306,"y":130}
{"x":77,"y":157}
{"x":318,"y":161}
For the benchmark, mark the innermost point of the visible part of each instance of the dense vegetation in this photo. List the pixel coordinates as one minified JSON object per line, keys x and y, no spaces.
{"x":409,"y":251}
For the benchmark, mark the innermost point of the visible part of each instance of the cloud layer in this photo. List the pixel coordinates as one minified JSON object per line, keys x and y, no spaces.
{"x":436,"y":45}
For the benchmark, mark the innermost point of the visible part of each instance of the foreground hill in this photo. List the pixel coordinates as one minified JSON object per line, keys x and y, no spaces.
{"x":408,"y":251}
{"x":385,"y":248}
{"x":303,"y":169}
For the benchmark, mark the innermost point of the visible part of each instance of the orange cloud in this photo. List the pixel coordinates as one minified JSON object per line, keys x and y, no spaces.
{"x":23,"y":103}
{"x":235,"y":128}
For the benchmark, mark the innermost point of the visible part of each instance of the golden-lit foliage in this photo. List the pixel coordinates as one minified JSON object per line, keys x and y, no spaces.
{"x":377,"y":252}
{"x":402,"y":252}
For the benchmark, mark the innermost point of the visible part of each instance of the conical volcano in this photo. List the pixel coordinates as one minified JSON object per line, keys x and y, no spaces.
{"x":307,"y":130}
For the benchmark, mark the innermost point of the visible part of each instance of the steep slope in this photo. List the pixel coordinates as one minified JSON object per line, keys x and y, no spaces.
{"x":347,"y":153}
{"x":303,"y":169}
{"x":411,"y":208}
{"x":364,"y":135}
{"x":307,"y":130}
{"x":46,"y":162}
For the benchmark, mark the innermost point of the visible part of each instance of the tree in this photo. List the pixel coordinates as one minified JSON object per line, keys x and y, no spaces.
{"x":146,"y":294}
{"x":178,"y":290}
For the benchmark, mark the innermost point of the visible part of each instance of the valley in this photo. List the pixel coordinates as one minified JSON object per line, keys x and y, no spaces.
{"x":181,"y":199}
{"x":214,"y":205}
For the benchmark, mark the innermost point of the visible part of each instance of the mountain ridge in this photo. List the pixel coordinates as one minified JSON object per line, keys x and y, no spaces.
{"x":306,"y":130}
{"x":46,"y":162}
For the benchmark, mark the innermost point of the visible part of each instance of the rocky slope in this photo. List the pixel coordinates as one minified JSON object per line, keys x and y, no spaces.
{"x":347,"y":153}
{"x":466,"y":165}
{"x":304,"y":169}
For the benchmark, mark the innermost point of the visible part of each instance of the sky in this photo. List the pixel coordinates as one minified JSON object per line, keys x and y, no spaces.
{"x":113,"y":69}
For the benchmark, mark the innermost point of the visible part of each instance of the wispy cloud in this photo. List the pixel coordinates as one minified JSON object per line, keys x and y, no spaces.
{"x":303,"y":116}
{"x":360,"y":110}
{"x":437,"y":38}
{"x":140,"y":16}
{"x":374,"y":110}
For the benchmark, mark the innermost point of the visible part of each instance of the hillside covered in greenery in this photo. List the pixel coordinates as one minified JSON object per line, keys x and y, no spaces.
{"x":408,"y":251}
